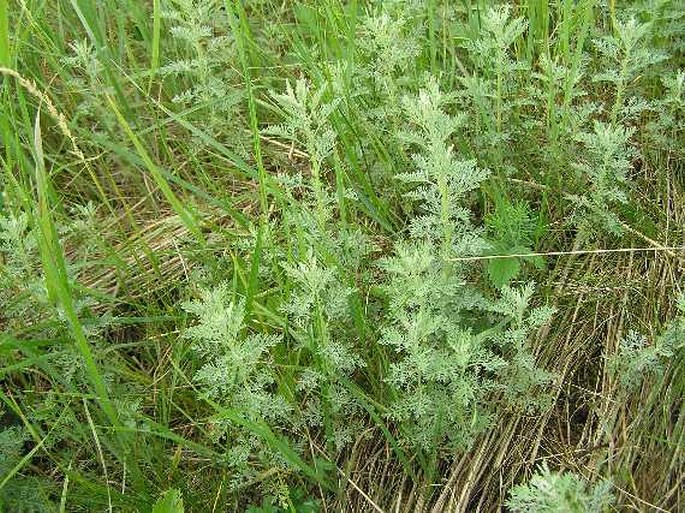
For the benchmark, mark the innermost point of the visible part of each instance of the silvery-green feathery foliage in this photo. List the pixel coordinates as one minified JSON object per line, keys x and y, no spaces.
{"x":319,"y":313}
{"x":626,"y":56}
{"x":307,"y":125}
{"x":306,"y":119}
{"x":204,"y":64}
{"x":237,"y":367}
{"x":389,"y":40}
{"x":441,"y":180}
{"x":561,"y":88}
{"x":27,"y":493}
{"x":637,"y":359}
{"x":318,"y":309}
{"x":24,"y":300}
{"x":665,"y":126}
{"x":238,"y":373}
{"x":668,"y":26}
{"x":444,"y":368}
{"x":524,"y":385}
{"x":490,"y":89}
{"x":447,"y":365}
{"x":604,"y":173}
{"x":87,"y":78}
{"x":27,"y":311}
{"x":356,"y":171}
{"x":388,"y":44}
{"x":23,"y":296}
{"x":553,"y":492}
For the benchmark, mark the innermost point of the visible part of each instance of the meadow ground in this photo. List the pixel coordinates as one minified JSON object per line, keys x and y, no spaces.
{"x":317,"y":256}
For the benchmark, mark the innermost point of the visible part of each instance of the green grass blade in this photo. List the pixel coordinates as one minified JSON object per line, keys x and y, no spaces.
{"x":5,"y":58}
{"x":243,"y":38}
{"x":185,"y":213}
{"x":156,"y":37}
{"x":56,"y":278}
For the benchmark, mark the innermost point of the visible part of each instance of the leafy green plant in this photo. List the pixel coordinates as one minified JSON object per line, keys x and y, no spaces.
{"x":524,"y":385}
{"x":491,"y":88}
{"x":238,"y":373}
{"x":24,"y":296}
{"x":511,"y":230}
{"x":441,"y":180}
{"x":21,"y":291}
{"x":339,"y":191}
{"x":664,"y":127}
{"x":200,"y":61}
{"x":306,"y":123}
{"x":628,"y":55}
{"x":319,"y":313}
{"x":171,"y":501}
{"x":549,"y":491}
{"x":88,"y":79}
{"x":21,"y":493}
{"x":441,"y":376}
{"x":604,"y":172}
{"x":388,"y":44}
{"x":448,"y":364}
{"x":637,"y":359}
{"x":300,"y":505}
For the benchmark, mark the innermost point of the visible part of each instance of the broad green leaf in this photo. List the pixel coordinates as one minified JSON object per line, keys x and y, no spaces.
{"x":171,"y":501}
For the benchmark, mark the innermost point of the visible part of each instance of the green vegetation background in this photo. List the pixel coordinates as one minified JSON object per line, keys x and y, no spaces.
{"x":342,"y":256}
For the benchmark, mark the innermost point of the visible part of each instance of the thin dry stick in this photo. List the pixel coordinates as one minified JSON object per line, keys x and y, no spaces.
{"x":627,"y":493}
{"x":362,"y":492}
{"x":218,"y":496}
{"x":365,"y":495}
{"x":668,"y":249}
{"x":99,"y":451}
{"x":292,"y":151}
